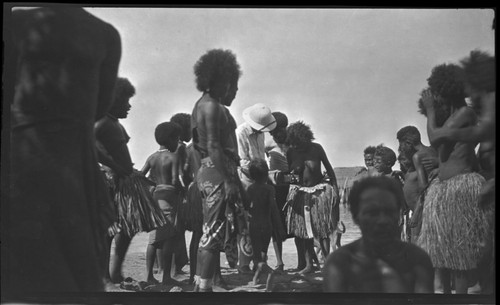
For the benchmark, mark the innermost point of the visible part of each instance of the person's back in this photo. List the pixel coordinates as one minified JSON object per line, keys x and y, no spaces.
{"x":161,"y":163}
{"x":260,"y":206}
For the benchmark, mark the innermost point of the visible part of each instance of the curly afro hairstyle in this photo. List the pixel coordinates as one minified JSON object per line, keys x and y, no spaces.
{"x":215,"y":68}
{"x":167,"y":131}
{"x":388,"y":155}
{"x":479,"y":71}
{"x":124,"y":88}
{"x":370,"y":150}
{"x":384,"y":183}
{"x":409,"y":134}
{"x":258,"y":170}
{"x":446,"y":81}
{"x":184,"y":121}
{"x":299,"y":134}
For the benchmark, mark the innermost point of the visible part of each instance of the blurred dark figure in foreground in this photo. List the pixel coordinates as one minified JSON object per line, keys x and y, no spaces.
{"x":379,"y":261}
{"x":66,"y":68}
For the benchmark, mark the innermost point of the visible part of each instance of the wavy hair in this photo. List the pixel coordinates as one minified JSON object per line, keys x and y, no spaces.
{"x":299,"y":133}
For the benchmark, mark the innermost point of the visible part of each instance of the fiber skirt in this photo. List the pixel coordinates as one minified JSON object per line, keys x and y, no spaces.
{"x":311,"y":211}
{"x":453,"y":225}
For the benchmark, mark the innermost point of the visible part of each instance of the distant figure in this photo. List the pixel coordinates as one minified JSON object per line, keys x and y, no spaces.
{"x":184,"y":121}
{"x":379,"y":261}
{"x":265,"y":218}
{"x":163,"y":169}
{"x":453,"y":225}
{"x":64,"y":67}
{"x":312,"y":205}
{"x":224,"y":215}
{"x":370,"y":170}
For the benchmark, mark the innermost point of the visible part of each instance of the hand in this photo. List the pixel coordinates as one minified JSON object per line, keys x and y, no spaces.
{"x":428,"y":99}
{"x":430,"y":163}
{"x":231,"y":191}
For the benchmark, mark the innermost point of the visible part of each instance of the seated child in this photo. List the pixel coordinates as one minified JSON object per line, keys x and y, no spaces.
{"x":163,"y":169}
{"x":379,"y":261}
{"x":264,"y":217}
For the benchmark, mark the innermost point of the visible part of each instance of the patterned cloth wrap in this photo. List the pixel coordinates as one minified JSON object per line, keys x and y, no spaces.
{"x":222,"y":220}
{"x":321,"y":202}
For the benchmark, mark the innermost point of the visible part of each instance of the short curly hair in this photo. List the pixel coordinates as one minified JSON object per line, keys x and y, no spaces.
{"x":382,"y":182}
{"x":299,"y":133}
{"x":124,"y":88}
{"x":409,"y":134}
{"x":184,"y":121}
{"x":479,"y":71}
{"x":166,"y":131}
{"x":370,"y":150}
{"x":258,"y":170}
{"x":215,"y":67}
{"x":387,"y":154}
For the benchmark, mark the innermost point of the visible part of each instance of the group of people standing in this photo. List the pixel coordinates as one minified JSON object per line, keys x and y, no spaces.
{"x":74,"y":188}
{"x":447,"y":205}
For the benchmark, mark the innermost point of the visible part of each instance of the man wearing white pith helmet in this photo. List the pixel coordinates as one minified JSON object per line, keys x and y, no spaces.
{"x":258,"y":119}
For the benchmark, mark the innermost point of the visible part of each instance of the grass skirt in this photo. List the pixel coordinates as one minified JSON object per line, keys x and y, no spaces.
{"x":137,"y":210}
{"x":453,"y":225}
{"x":322,"y":201}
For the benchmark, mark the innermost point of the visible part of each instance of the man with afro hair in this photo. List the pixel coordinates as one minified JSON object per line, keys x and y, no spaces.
{"x":163,"y":170}
{"x":312,"y":205}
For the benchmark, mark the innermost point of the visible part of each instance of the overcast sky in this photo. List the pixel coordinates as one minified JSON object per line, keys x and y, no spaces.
{"x":353,"y":75}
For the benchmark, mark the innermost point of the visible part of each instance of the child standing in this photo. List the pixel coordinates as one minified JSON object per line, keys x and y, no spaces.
{"x":264,"y":218}
{"x":163,"y":168}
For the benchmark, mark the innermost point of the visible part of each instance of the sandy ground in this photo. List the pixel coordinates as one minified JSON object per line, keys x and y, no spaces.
{"x":135,"y":268}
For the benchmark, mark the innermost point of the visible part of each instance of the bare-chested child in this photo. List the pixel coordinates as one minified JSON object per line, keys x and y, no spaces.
{"x":419,"y":174}
{"x":379,"y":261}
{"x":312,"y":206}
{"x":264,"y":219}
{"x":61,"y":66}
{"x":163,"y":170}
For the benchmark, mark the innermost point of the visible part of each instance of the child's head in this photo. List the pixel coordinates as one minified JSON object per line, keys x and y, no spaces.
{"x":167,"y":135}
{"x":384,"y":159}
{"x":259,"y":170}
{"x":375,"y":203}
{"x":184,"y":121}
{"x":368,"y":155}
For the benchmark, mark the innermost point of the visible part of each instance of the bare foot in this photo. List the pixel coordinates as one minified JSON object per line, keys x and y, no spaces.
{"x":152,"y":281}
{"x":170,"y":281}
{"x":116,"y":278}
{"x":306,"y":270}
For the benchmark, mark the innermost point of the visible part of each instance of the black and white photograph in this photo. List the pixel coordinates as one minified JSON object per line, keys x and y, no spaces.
{"x":333,"y":151}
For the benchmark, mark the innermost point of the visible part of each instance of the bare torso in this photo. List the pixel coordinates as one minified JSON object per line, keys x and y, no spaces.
{"x":306,"y":163}
{"x":411,"y":189}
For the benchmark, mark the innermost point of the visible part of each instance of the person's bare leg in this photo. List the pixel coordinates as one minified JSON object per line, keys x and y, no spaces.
{"x":325,"y":246}
{"x":206,"y":269}
{"x":150,"y":259}
{"x":122,"y":242}
{"x":168,"y":252}
{"x":278,"y":250}
{"x":445,"y":276}
{"x":193,"y":254}
{"x":106,"y":259}
{"x":461,"y":284}
{"x":309,"y":252}
{"x":218,"y":280}
{"x":299,"y":244}
{"x":159,"y":260}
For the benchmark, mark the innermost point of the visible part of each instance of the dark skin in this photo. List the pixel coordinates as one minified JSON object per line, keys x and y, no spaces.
{"x":454,"y":158}
{"x":116,"y":156}
{"x":210,"y":110}
{"x":305,"y":159}
{"x":378,"y":261}
{"x":163,"y":170}
{"x":51,"y":66}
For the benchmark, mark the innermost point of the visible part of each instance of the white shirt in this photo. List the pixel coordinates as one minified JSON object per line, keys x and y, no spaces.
{"x":250,"y":145}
